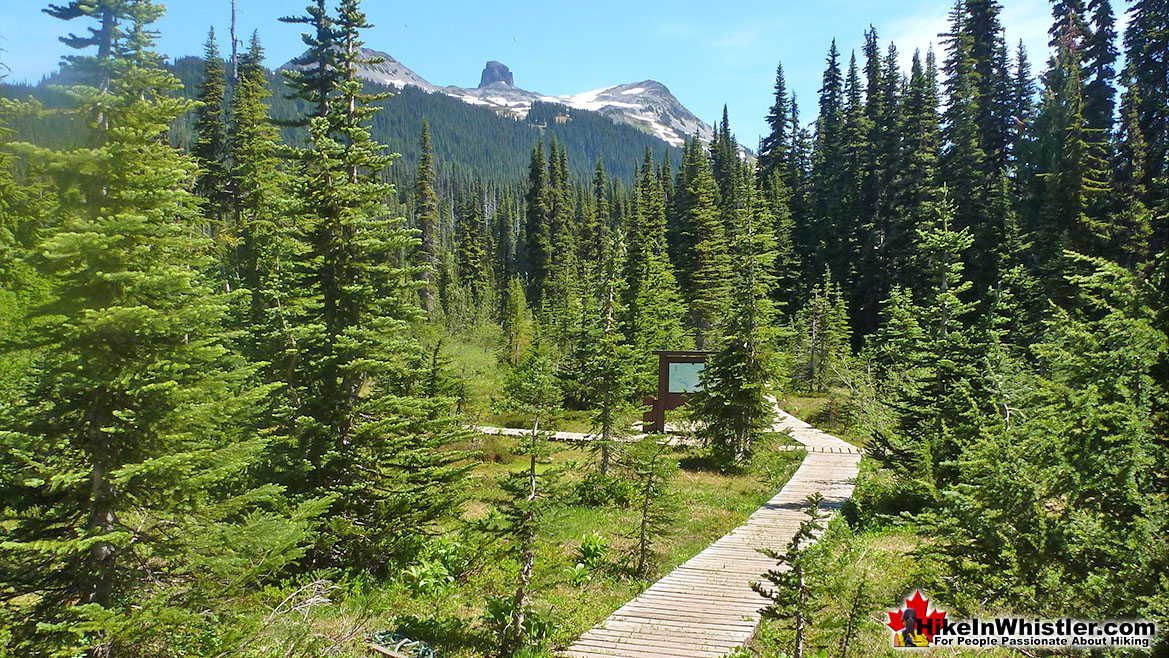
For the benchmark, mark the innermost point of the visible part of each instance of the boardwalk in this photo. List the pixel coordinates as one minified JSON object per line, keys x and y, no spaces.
{"x":705,"y":607}
{"x":578,"y":436}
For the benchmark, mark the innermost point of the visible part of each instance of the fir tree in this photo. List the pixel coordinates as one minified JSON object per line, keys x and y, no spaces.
{"x":790,"y":589}
{"x":211,"y":143}
{"x":788,"y":284}
{"x":916,"y":184}
{"x":610,"y":364}
{"x":517,"y":322}
{"x":733,"y":398}
{"x":111,"y":15}
{"x":932,"y":415}
{"x":426,"y":218}
{"x":538,"y":227}
{"x":472,"y":251}
{"x":709,"y":261}
{"x":1132,"y":224}
{"x":773,"y":149}
{"x":824,"y":335}
{"x":314,"y":76}
{"x":1146,"y":39}
{"x":262,"y":229}
{"x":142,"y":421}
{"x":655,"y":313}
{"x":530,"y":387}
{"x":970,"y":123}
{"x":1100,"y":55}
{"x":988,"y":50}
{"x":651,"y":470}
{"x":819,"y":235}
{"x":367,"y":433}
{"x":1072,"y":215}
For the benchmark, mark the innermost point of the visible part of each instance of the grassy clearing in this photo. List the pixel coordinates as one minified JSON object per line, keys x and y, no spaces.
{"x":442,"y":598}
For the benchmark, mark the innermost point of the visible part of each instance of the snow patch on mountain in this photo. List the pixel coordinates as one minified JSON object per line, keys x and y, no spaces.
{"x":647,"y":105}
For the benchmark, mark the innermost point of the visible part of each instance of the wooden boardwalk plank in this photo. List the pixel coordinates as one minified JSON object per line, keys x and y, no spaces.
{"x":705,"y":607}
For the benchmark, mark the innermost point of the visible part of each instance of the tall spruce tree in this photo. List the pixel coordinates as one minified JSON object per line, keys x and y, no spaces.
{"x":709,"y":261}
{"x":368,"y":433}
{"x":210,"y":148}
{"x":773,"y":149}
{"x":1073,"y":210}
{"x":538,"y":227}
{"x":132,"y":509}
{"x":610,"y":366}
{"x":819,"y":234}
{"x":916,"y":183}
{"x":1146,"y":40}
{"x":824,"y":336}
{"x":472,"y":252}
{"x":932,"y":413}
{"x":426,"y":219}
{"x":733,"y":400}
{"x":656,"y":313}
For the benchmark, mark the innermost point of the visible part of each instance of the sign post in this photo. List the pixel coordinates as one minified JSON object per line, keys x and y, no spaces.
{"x":679,"y":373}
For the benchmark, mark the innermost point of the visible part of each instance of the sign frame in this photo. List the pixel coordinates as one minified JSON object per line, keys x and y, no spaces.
{"x":655,"y":419}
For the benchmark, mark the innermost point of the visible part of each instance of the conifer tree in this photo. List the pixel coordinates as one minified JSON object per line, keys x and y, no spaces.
{"x":530,"y":387}
{"x":916,"y":184}
{"x":1072,"y":214}
{"x":517,"y":322}
{"x":367,"y":432}
{"x":773,"y":149}
{"x":257,"y":186}
{"x":932,"y":415}
{"x":472,"y":251}
{"x":1145,"y":40}
{"x":656,"y":313}
{"x":538,"y":227}
{"x":733,"y":399}
{"x":651,"y":471}
{"x":1089,"y":444}
{"x":968,"y":126}
{"x":133,"y":508}
{"x":792,"y":582}
{"x":819,"y":234}
{"x":610,"y":366}
{"x":1023,"y":159}
{"x":709,"y":261}
{"x":1100,"y":54}
{"x":111,"y":15}
{"x":561,"y":300}
{"x":824,"y":335}
{"x":314,"y":76}
{"x":1131,"y":227}
{"x":988,"y":50}
{"x":426,"y":218}
{"x":211,"y":142}
{"x":788,"y":283}
{"x":724,"y":156}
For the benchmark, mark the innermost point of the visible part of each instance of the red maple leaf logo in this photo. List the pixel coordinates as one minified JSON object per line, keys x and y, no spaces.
{"x":930,"y":620}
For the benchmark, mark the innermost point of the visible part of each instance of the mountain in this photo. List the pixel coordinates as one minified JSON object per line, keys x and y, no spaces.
{"x":471,"y":136}
{"x":647,"y":105}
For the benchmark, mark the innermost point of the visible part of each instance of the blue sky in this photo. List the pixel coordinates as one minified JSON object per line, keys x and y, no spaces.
{"x":705,"y":53}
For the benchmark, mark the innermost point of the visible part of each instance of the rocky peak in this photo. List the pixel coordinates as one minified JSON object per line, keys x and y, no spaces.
{"x":496,"y":72}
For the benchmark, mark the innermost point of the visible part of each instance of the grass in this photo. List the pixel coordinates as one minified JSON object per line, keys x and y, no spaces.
{"x":443,"y":596}
{"x":827,"y":411}
{"x":448,"y":613}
